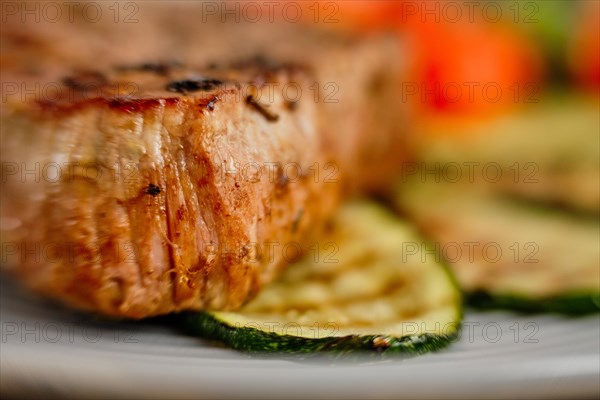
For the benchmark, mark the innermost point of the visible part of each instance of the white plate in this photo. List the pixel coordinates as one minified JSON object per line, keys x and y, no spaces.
{"x":47,"y":350}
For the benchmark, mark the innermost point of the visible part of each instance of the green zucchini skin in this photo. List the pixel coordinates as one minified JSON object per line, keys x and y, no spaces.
{"x":574,"y":304}
{"x":258,"y":342}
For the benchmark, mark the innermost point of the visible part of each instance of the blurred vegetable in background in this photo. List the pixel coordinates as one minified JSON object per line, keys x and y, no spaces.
{"x":584,"y":47}
{"x":473,"y":68}
{"x":475,"y":60}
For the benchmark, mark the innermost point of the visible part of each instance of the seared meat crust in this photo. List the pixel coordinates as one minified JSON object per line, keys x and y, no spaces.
{"x":186,"y":185}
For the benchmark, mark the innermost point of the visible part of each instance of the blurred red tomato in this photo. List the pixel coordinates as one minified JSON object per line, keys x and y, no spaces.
{"x":467,"y":68}
{"x":584,"y":51}
{"x":463,"y":67}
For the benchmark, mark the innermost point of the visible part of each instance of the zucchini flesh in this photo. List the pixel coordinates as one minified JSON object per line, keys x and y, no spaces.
{"x":506,"y":255}
{"x":365,"y":294}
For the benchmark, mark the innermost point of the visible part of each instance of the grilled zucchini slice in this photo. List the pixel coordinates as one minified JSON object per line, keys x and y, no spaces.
{"x":361,"y":293}
{"x":548,"y":153}
{"x":509,"y":254}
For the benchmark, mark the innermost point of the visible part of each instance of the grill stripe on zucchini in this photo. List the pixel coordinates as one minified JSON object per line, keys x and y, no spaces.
{"x":368,"y":295}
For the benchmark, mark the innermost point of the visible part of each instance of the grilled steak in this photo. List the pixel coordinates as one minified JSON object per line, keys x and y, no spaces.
{"x":160,"y":186}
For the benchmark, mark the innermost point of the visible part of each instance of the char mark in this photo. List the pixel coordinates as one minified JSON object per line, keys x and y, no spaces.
{"x":85,"y":79}
{"x":185,"y":86}
{"x":268,"y":114}
{"x":160,"y":68}
{"x":152,"y":190}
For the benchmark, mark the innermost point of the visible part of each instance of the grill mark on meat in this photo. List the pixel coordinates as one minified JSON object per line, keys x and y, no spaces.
{"x":152,"y":190}
{"x":291,"y":105}
{"x":186,"y":86}
{"x":268,"y":114}
{"x":85,"y":79}
{"x":159,"y":68}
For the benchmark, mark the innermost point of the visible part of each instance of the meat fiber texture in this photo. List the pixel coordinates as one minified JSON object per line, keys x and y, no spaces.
{"x":174,"y":165}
